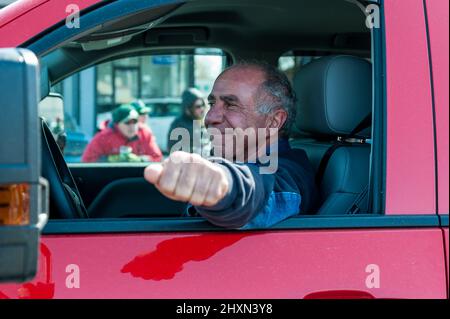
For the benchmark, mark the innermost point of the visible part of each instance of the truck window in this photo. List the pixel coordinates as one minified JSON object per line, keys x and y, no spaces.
{"x":155,"y":81}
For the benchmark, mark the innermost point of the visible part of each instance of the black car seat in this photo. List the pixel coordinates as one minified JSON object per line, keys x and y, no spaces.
{"x":334,"y":103}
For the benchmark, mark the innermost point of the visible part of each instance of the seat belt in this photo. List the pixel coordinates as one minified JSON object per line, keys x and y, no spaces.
{"x":361,"y":201}
{"x":350,"y":139}
{"x":356,"y":207}
{"x":365,"y":123}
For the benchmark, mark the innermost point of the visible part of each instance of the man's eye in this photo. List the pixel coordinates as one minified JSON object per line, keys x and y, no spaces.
{"x":211,"y":103}
{"x":230,"y":106}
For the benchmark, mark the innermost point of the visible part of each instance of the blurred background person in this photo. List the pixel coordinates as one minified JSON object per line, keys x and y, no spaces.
{"x":143,"y":112}
{"x":122,"y":140}
{"x":193,"y":106}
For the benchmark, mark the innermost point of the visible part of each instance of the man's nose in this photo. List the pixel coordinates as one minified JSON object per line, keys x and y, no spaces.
{"x":214,"y":116}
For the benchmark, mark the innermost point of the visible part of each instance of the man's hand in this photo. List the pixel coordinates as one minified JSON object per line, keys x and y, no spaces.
{"x":189,"y":178}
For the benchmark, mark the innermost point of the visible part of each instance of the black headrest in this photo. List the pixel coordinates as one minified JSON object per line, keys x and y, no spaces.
{"x":334,"y":95}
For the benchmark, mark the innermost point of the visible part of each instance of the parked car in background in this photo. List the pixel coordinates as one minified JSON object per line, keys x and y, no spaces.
{"x":163,"y":112}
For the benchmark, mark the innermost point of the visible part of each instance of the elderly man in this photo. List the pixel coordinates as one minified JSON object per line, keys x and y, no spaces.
{"x":232,"y":192}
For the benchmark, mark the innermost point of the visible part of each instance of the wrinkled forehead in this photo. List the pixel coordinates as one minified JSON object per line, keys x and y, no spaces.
{"x":241,"y":82}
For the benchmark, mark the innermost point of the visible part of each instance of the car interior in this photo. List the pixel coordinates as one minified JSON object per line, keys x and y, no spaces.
{"x":334,"y":94}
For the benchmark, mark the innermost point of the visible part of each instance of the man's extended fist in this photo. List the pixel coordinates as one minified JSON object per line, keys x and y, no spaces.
{"x":189,"y":178}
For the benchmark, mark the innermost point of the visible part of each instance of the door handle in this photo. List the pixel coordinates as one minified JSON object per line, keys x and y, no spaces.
{"x":340,"y":294}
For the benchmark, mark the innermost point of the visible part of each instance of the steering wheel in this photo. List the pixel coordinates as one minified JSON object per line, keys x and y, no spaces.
{"x":65,"y":199}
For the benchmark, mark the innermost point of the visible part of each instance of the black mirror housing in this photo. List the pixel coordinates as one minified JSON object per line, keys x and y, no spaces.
{"x":23,"y":193}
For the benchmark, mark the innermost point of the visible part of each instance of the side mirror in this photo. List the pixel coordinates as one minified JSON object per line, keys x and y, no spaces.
{"x":51,"y":109}
{"x":23,"y":193}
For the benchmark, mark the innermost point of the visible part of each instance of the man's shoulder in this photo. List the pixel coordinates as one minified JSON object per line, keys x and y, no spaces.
{"x":295,"y":156}
{"x":295,"y":162}
{"x":294,"y":166}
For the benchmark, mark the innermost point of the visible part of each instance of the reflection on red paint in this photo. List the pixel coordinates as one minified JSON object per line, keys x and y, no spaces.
{"x":3,"y":296}
{"x":41,"y":288}
{"x":37,"y":291}
{"x":170,"y":255}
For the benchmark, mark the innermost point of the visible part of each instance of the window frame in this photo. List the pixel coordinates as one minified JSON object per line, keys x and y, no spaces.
{"x":377,"y":185}
{"x":199,"y":224}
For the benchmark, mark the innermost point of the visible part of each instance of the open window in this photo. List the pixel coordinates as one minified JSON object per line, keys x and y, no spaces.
{"x":188,"y":45}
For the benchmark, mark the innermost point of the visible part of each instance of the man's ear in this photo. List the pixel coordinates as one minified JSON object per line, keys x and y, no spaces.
{"x":277,"y":119}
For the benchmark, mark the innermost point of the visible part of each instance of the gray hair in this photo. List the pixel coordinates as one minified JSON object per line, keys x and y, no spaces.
{"x":275,"y":92}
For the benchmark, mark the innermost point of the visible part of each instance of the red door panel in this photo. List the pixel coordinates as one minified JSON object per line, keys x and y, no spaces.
{"x":410,"y":169}
{"x":438,"y":25}
{"x":445,"y":230}
{"x":404,"y":263}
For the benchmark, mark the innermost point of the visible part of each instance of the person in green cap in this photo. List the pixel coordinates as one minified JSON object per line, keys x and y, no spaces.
{"x":122,"y":140}
{"x":191,"y":121}
{"x":143,"y":111}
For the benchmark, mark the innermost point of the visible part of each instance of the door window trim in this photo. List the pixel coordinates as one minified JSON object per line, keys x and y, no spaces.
{"x":92,"y":19}
{"x":199,"y":224}
{"x":377,"y":178}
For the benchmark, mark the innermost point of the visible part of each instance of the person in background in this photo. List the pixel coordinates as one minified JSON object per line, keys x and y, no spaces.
{"x":122,"y":140}
{"x":143,"y":111}
{"x":193,"y":106}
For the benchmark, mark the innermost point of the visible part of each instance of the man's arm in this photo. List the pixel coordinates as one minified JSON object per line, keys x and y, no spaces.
{"x":189,"y":178}
{"x":247,"y":196}
{"x":227,"y":194}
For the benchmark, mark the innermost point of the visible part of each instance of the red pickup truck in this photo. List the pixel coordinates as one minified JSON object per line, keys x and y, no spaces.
{"x":382,"y":228}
